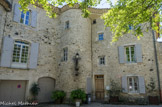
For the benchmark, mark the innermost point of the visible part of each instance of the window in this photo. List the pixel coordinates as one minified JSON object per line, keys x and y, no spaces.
{"x":20,"y":53}
{"x":133,"y":86}
{"x":65,"y":53}
{"x":15,"y":53}
{"x":67,"y":25}
{"x":130,"y":54}
{"x":94,"y":21}
{"x":130,"y":27}
{"x":100,"y":36}
{"x":102,"y":60}
{"x":25,"y":18}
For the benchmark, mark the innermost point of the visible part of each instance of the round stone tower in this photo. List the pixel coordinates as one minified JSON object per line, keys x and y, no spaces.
{"x":75,"y":38}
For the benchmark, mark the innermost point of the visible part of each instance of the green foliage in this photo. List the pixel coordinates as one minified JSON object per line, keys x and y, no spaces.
{"x":35,"y":90}
{"x":122,"y":14}
{"x":78,"y":94}
{"x":58,"y":95}
{"x":151,"y":87}
{"x":115,"y":89}
{"x":49,"y":4}
{"x":134,"y":13}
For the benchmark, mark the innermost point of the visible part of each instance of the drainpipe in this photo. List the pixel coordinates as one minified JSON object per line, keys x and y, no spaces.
{"x":92,"y":60}
{"x":157,"y":64}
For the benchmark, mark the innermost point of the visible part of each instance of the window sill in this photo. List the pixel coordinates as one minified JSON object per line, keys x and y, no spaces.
{"x":99,"y":41}
{"x":64,"y":61}
{"x":100,"y":65}
{"x":26,"y":26}
{"x":67,"y":28}
{"x":137,"y":93}
{"x":133,"y":63}
{"x":19,"y":65}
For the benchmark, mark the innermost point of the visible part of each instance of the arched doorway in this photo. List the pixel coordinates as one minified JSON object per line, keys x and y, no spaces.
{"x":47,"y":85}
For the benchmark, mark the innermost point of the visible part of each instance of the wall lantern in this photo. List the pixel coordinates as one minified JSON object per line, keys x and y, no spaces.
{"x":76,"y":61}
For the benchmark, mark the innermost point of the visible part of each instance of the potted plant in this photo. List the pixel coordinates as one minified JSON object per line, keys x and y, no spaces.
{"x":58,"y":96}
{"x":152,"y":92}
{"x":78,"y":96}
{"x":34,"y":91}
{"x":114,"y":92}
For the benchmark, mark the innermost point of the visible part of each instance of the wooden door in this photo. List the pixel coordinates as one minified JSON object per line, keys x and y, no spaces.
{"x":99,"y":87}
{"x":47,"y":86}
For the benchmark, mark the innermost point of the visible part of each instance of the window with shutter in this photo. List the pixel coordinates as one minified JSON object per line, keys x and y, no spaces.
{"x":29,"y":18}
{"x":25,"y":18}
{"x":20,"y":54}
{"x":130,"y":54}
{"x":133,"y":84}
{"x":15,"y":54}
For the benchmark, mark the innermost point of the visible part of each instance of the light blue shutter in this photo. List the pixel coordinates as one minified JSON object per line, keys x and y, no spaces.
{"x":124,"y":84}
{"x":34,"y":19}
{"x":138,"y":52}
{"x":17,"y":13}
{"x":121,"y":54}
{"x":7,"y":51}
{"x":33,"y":55}
{"x":89,"y":85}
{"x":141,"y":84}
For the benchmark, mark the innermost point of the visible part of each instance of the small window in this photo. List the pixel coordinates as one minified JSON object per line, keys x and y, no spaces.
{"x":130,"y":27}
{"x":100,"y":36}
{"x":25,"y":17}
{"x":94,"y":21}
{"x":65,"y":54}
{"x":67,"y":25}
{"x":133,"y":85}
{"x":130,"y":54}
{"x":102,"y":60}
{"x":20,"y":53}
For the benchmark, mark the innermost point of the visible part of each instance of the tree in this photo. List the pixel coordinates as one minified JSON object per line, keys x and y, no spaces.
{"x":123,"y":13}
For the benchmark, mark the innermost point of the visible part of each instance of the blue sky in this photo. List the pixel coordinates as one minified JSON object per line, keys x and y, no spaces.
{"x":104,"y":4}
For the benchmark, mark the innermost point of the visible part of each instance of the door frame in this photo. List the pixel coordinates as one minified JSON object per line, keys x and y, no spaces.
{"x":95,"y":77}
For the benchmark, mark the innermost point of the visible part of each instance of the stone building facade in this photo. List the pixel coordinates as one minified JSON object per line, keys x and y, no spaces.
{"x":36,"y":48}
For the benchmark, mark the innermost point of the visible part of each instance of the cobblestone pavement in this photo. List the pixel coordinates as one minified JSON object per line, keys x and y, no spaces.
{"x":94,"y":104}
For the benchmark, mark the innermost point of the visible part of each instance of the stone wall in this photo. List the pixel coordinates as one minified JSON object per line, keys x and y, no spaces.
{"x":113,"y":69}
{"x":81,"y":37}
{"x":77,"y":38}
{"x":46,"y":33}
